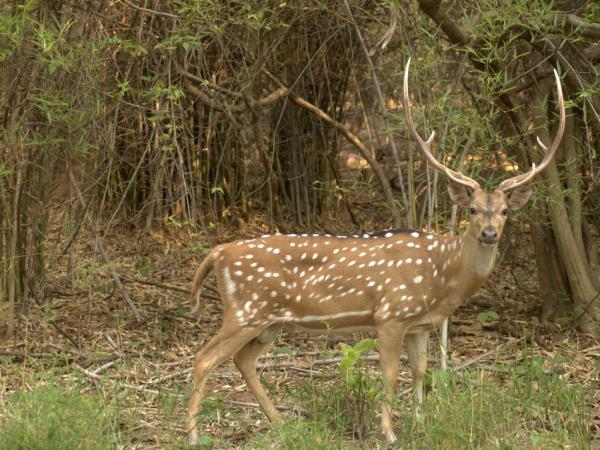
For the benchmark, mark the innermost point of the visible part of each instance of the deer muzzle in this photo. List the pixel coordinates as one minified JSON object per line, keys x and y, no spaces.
{"x":489,"y":235}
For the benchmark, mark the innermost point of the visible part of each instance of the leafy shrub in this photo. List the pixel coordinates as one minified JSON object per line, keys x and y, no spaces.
{"x":360,"y":389}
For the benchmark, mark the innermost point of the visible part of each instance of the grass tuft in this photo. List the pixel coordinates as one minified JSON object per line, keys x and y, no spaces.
{"x":529,"y":408}
{"x":49,"y":418}
{"x":300,"y":434}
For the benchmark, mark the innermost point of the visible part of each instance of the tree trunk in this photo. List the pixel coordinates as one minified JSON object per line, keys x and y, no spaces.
{"x":551,"y":276}
{"x":586,"y":302}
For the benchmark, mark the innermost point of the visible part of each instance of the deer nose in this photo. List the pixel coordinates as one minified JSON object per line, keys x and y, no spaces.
{"x":489,"y":235}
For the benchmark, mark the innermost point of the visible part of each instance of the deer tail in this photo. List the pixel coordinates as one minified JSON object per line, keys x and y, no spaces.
{"x":200,"y":277}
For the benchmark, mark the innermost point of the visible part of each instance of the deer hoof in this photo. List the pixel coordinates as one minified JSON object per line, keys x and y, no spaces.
{"x":193,"y":438}
{"x":391,"y":437}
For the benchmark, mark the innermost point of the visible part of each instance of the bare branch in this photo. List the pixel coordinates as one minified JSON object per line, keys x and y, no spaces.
{"x":150,"y":11}
{"x":352,"y":138}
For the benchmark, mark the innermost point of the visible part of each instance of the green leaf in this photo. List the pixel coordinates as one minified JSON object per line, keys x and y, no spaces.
{"x":283,"y":350}
{"x":487,"y":315}
{"x":350,"y":357}
{"x":365,"y":345}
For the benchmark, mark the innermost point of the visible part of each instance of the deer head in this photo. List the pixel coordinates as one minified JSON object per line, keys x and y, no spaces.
{"x":488,"y":210}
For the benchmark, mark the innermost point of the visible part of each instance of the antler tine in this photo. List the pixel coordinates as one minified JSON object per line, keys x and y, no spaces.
{"x":425,"y":146}
{"x":519,"y":180}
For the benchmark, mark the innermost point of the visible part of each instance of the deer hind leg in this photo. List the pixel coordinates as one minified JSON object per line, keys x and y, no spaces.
{"x":390,"y":336}
{"x":224,"y":344}
{"x":246,"y":359}
{"x":416,"y":347}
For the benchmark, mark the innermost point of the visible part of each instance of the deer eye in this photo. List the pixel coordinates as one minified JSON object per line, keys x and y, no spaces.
{"x":505,"y":212}
{"x":472,"y":210}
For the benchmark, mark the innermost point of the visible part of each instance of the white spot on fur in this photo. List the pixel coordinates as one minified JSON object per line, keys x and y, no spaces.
{"x":230,"y":286}
{"x":319,"y":318}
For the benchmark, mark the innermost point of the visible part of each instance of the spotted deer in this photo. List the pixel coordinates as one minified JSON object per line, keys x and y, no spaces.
{"x":400,"y":283}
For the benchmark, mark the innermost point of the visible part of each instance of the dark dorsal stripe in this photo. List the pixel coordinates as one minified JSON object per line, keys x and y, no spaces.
{"x":393,"y":231}
{"x":365,"y":235}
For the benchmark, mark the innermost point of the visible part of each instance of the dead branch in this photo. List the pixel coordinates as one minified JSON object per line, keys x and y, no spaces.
{"x":117,"y":279}
{"x":158,"y":284}
{"x":352,"y":138}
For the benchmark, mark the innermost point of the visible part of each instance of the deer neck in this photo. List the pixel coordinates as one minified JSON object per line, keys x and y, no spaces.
{"x":462,"y":266}
{"x":466,"y":266}
{"x":476,"y":259}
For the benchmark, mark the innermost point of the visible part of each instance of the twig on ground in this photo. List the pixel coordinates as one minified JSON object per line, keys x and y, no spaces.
{"x":158,"y":284}
{"x":103,"y":367}
{"x":486,"y":354}
{"x":312,"y":373}
{"x":97,"y":377}
{"x":279,"y":407}
{"x":325,"y":361}
{"x":169,"y":376}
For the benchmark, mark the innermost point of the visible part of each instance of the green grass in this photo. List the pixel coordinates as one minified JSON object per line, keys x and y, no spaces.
{"x":528,"y":409}
{"x":299,"y":434}
{"x":511,"y":408}
{"x":523,"y":406}
{"x":49,"y":418}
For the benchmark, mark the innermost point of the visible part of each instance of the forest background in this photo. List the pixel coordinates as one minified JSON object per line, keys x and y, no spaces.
{"x":137,"y":134}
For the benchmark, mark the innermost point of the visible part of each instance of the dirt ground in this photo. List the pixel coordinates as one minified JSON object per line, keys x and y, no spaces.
{"x":83,"y":332}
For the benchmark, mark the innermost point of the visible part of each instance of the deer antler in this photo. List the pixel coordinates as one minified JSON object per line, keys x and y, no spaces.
{"x":425,"y":146}
{"x":523,"y":178}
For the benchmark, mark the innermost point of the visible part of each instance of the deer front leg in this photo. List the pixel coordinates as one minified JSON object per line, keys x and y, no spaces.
{"x":223,"y":345}
{"x":390,"y":336}
{"x":416,"y":347}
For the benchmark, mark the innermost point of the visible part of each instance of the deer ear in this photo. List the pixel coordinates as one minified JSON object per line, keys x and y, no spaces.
{"x":519,"y":197}
{"x":459,"y":194}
